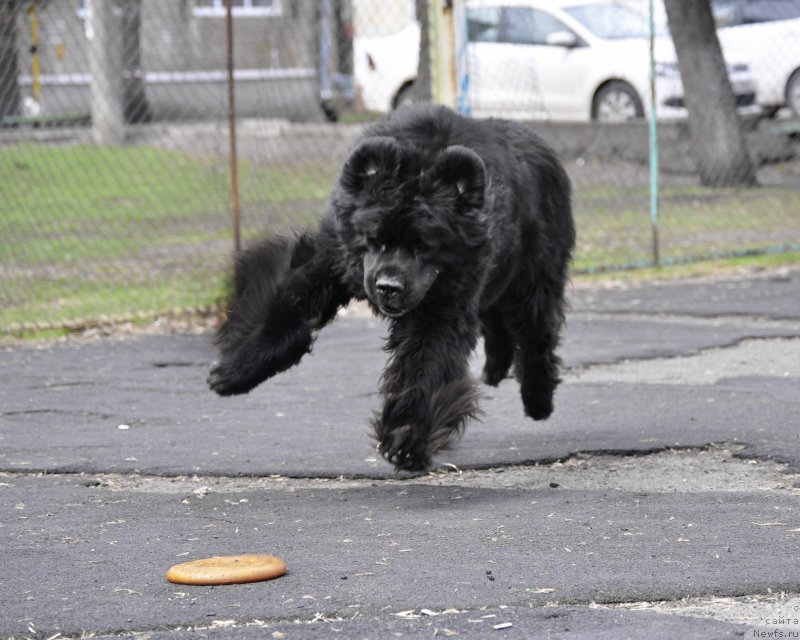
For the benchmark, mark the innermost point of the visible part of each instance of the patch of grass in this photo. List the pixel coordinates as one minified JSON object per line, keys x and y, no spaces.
{"x":97,"y":201}
{"x":89,"y":232}
{"x":696,"y":269}
{"x":694,"y":222}
{"x":77,"y":302}
{"x":96,"y":231}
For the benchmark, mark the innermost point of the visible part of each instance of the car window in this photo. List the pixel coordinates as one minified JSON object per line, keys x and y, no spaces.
{"x":732,"y":12}
{"x":519,"y":26}
{"x":610,"y":22}
{"x":724,"y":12}
{"x":528,"y":26}
{"x":769,"y":10}
{"x":483,"y":24}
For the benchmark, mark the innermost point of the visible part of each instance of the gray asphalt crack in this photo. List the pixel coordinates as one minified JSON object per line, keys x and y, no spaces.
{"x":773,"y":357}
{"x":695,"y":470}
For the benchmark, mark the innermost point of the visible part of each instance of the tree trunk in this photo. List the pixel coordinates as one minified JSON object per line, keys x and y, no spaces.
{"x":9,"y":67}
{"x":718,"y":141}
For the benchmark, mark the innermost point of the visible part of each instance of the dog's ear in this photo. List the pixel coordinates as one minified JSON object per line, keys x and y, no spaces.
{"x":461,"y":170}
{"x":372,"y":159}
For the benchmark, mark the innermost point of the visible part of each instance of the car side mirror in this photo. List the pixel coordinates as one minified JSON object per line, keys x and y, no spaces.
{"x":565,"y":39}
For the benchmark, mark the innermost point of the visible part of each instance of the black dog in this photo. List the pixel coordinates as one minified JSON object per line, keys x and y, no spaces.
{"x":449,"y":227}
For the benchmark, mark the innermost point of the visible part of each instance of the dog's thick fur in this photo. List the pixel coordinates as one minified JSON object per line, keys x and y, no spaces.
{"x":447,"y":226}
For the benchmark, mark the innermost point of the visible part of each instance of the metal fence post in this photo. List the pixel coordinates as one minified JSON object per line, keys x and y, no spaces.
{"x":234,"y":156}
{"x":325,"y":89}
{"x":461,"y":44}
{"x":653,"y":129}
{"x":104,"y":33}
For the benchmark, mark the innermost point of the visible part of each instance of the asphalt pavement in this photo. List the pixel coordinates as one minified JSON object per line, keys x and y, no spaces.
{"x":661,"y":499}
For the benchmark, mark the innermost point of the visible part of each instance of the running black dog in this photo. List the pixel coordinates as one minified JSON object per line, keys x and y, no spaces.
{"x":447,"y":226}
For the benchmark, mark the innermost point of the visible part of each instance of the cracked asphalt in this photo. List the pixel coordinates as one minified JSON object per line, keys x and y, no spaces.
{"x":661,"y":500}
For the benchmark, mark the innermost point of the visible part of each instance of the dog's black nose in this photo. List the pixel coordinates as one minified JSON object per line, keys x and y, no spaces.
{"x":388,"y":287}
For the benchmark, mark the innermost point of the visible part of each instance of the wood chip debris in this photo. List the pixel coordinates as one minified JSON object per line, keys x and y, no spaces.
{"x":407,"y":615}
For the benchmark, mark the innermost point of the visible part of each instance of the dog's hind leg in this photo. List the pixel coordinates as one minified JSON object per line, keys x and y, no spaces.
{"x":284,"y":289}
{"x":499,"y":346}
{"x":537,"y":369}
{"x":537,"y":328}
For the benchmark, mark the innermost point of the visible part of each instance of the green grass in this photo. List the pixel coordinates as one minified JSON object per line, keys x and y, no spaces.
{"x":86,"y":302}
{"x":694,"y":223}
{"x":74,"y":202}
{"x":696,"y":269}
{"x":89,"y":233}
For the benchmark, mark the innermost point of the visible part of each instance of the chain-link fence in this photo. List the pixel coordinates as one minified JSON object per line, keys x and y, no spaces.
{"x":116,"y":155}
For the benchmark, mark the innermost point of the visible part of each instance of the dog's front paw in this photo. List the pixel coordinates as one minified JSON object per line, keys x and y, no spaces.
{"x":226,"y":381}
{"x":405,"y":448}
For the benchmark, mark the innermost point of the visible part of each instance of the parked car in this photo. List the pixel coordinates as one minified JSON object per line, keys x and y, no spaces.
{"x":573,"y":60}
{"x":767,"y":36}
{"x":385,"y":66}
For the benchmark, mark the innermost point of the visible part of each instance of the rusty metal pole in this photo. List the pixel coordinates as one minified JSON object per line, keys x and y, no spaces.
{"x":653,"y":130}
{"x":234,"y":158}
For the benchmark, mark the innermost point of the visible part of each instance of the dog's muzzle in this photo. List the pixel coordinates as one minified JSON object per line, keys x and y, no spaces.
{"x":389,"y":291}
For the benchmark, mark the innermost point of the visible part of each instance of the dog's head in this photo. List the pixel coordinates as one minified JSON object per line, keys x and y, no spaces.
{"x":408,"y":217}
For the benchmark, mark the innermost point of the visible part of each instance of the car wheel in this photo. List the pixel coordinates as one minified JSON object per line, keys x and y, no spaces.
{"x":616,"y":101}
{"x":793,"y":93}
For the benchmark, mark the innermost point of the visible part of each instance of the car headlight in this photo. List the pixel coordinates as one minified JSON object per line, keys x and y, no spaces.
{"x":668,"y":70}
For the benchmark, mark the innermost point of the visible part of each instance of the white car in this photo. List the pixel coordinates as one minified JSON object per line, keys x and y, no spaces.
{"x":385,"y":67}
{"x":767,"y":36}
{"x":575,"y":60}
{"x":572,"y":60}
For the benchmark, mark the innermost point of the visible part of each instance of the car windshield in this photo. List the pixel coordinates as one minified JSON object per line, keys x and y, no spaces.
{"x":610,"y":22}
{"x":730,"y":12}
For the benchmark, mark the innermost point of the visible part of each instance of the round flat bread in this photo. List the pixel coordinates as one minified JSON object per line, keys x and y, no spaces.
{"x":249,"y":567}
